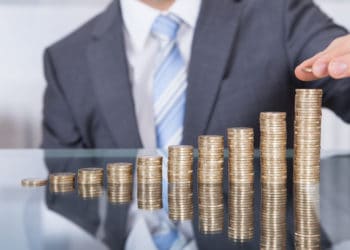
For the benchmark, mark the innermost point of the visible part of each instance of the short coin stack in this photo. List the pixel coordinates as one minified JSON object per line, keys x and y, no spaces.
{"x":62,"y":182}
{"x":180,"y":188}
{"x":307,"y":139}
{"x":241,"y":183}
{"x":89,"y":176}
{"x":149,"y":182}
{"x":90,"y":182}
{"x":273,"y":163}
{"x":210,"y":179}
{"x":119,"y":178}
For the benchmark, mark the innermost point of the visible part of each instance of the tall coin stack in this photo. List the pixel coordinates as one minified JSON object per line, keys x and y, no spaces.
{"x":90,"y":182}
{"x":180,"y":190}
{"x":307,"y":139}
{"x":62,"y":182}
{"x":149,"y":182}
{"x":210,"y":179}
{"x":241,"y":183}
{"x":273,"y":143}
{"x":119,"y":178}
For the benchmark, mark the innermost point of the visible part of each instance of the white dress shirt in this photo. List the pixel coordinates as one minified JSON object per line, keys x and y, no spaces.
{"x":142,"y":50}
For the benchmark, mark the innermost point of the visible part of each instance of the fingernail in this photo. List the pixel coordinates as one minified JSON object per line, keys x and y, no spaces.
{"x":338,"y":68}
{"x":320,"y":69}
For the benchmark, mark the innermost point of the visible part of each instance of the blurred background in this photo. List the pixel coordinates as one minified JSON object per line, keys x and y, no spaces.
{"x":29,"y":26}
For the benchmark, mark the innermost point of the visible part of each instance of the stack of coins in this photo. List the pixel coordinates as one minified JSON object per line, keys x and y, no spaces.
{"x":90,"y":176}
{"x":307,"y":139}
{"x":119,"y":173}
{"x":241,"y":183}
{"x":119,"y":178}
{"x":90,"y":191}
{"x":273,"y":163}
{"x":180,"y":191}
{"x":210,"y":179}
{"x":149,"y":182}
{"x":62,"y":182}
{"x":90,"y":182}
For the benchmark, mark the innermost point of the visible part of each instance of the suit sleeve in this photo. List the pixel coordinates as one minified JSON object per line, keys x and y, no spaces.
{"x":59,"y":128}
{"x":308,"y":31}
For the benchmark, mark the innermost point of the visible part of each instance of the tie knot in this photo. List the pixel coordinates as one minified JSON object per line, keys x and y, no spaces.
{"x":166,"y":27}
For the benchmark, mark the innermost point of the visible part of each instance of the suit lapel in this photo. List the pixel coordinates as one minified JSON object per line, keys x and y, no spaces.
{"x":108,"y":66}
{"x":212,"y":45}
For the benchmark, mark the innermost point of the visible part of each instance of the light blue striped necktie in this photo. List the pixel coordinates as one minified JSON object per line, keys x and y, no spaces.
{"x":170,"y":83}
{"x":169,"y":98}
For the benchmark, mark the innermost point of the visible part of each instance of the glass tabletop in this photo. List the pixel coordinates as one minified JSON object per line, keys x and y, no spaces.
{"x":40,"y":218}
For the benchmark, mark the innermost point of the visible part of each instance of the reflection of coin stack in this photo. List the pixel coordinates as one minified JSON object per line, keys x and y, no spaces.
{"x":180,"y":192}
{"x":307,"y":139}
{"x":89,"y":191}
{"x":90,"y":182}
{"x":62,"y":182}
{"x":149,"y":182}
{"x":33,"y":182}
{"x":273,"y":143}
{"x":210,"y":178}
{"x":241,"y":181}
{"x":119,"y":178}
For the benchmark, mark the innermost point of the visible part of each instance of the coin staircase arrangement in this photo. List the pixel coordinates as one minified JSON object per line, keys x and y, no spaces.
{"x":210,"y":176}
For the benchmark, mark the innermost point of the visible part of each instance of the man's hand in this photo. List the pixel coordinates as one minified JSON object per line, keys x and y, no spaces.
{"x":334,"y":61}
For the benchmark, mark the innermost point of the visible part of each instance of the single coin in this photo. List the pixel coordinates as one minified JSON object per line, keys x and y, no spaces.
{"x":308,"y":70}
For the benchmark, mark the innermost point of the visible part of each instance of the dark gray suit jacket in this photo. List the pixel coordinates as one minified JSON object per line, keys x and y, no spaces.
{"x":243,"y":58}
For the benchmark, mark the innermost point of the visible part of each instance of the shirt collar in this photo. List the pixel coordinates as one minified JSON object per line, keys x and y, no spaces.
{"x":139,"y":17}
{"x":187,"y":10}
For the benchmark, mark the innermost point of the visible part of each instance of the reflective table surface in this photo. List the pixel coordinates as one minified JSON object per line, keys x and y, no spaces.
{"x":37,"y":218}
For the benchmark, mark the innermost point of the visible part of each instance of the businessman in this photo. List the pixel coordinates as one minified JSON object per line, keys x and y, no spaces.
{"x":149,"y":73}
